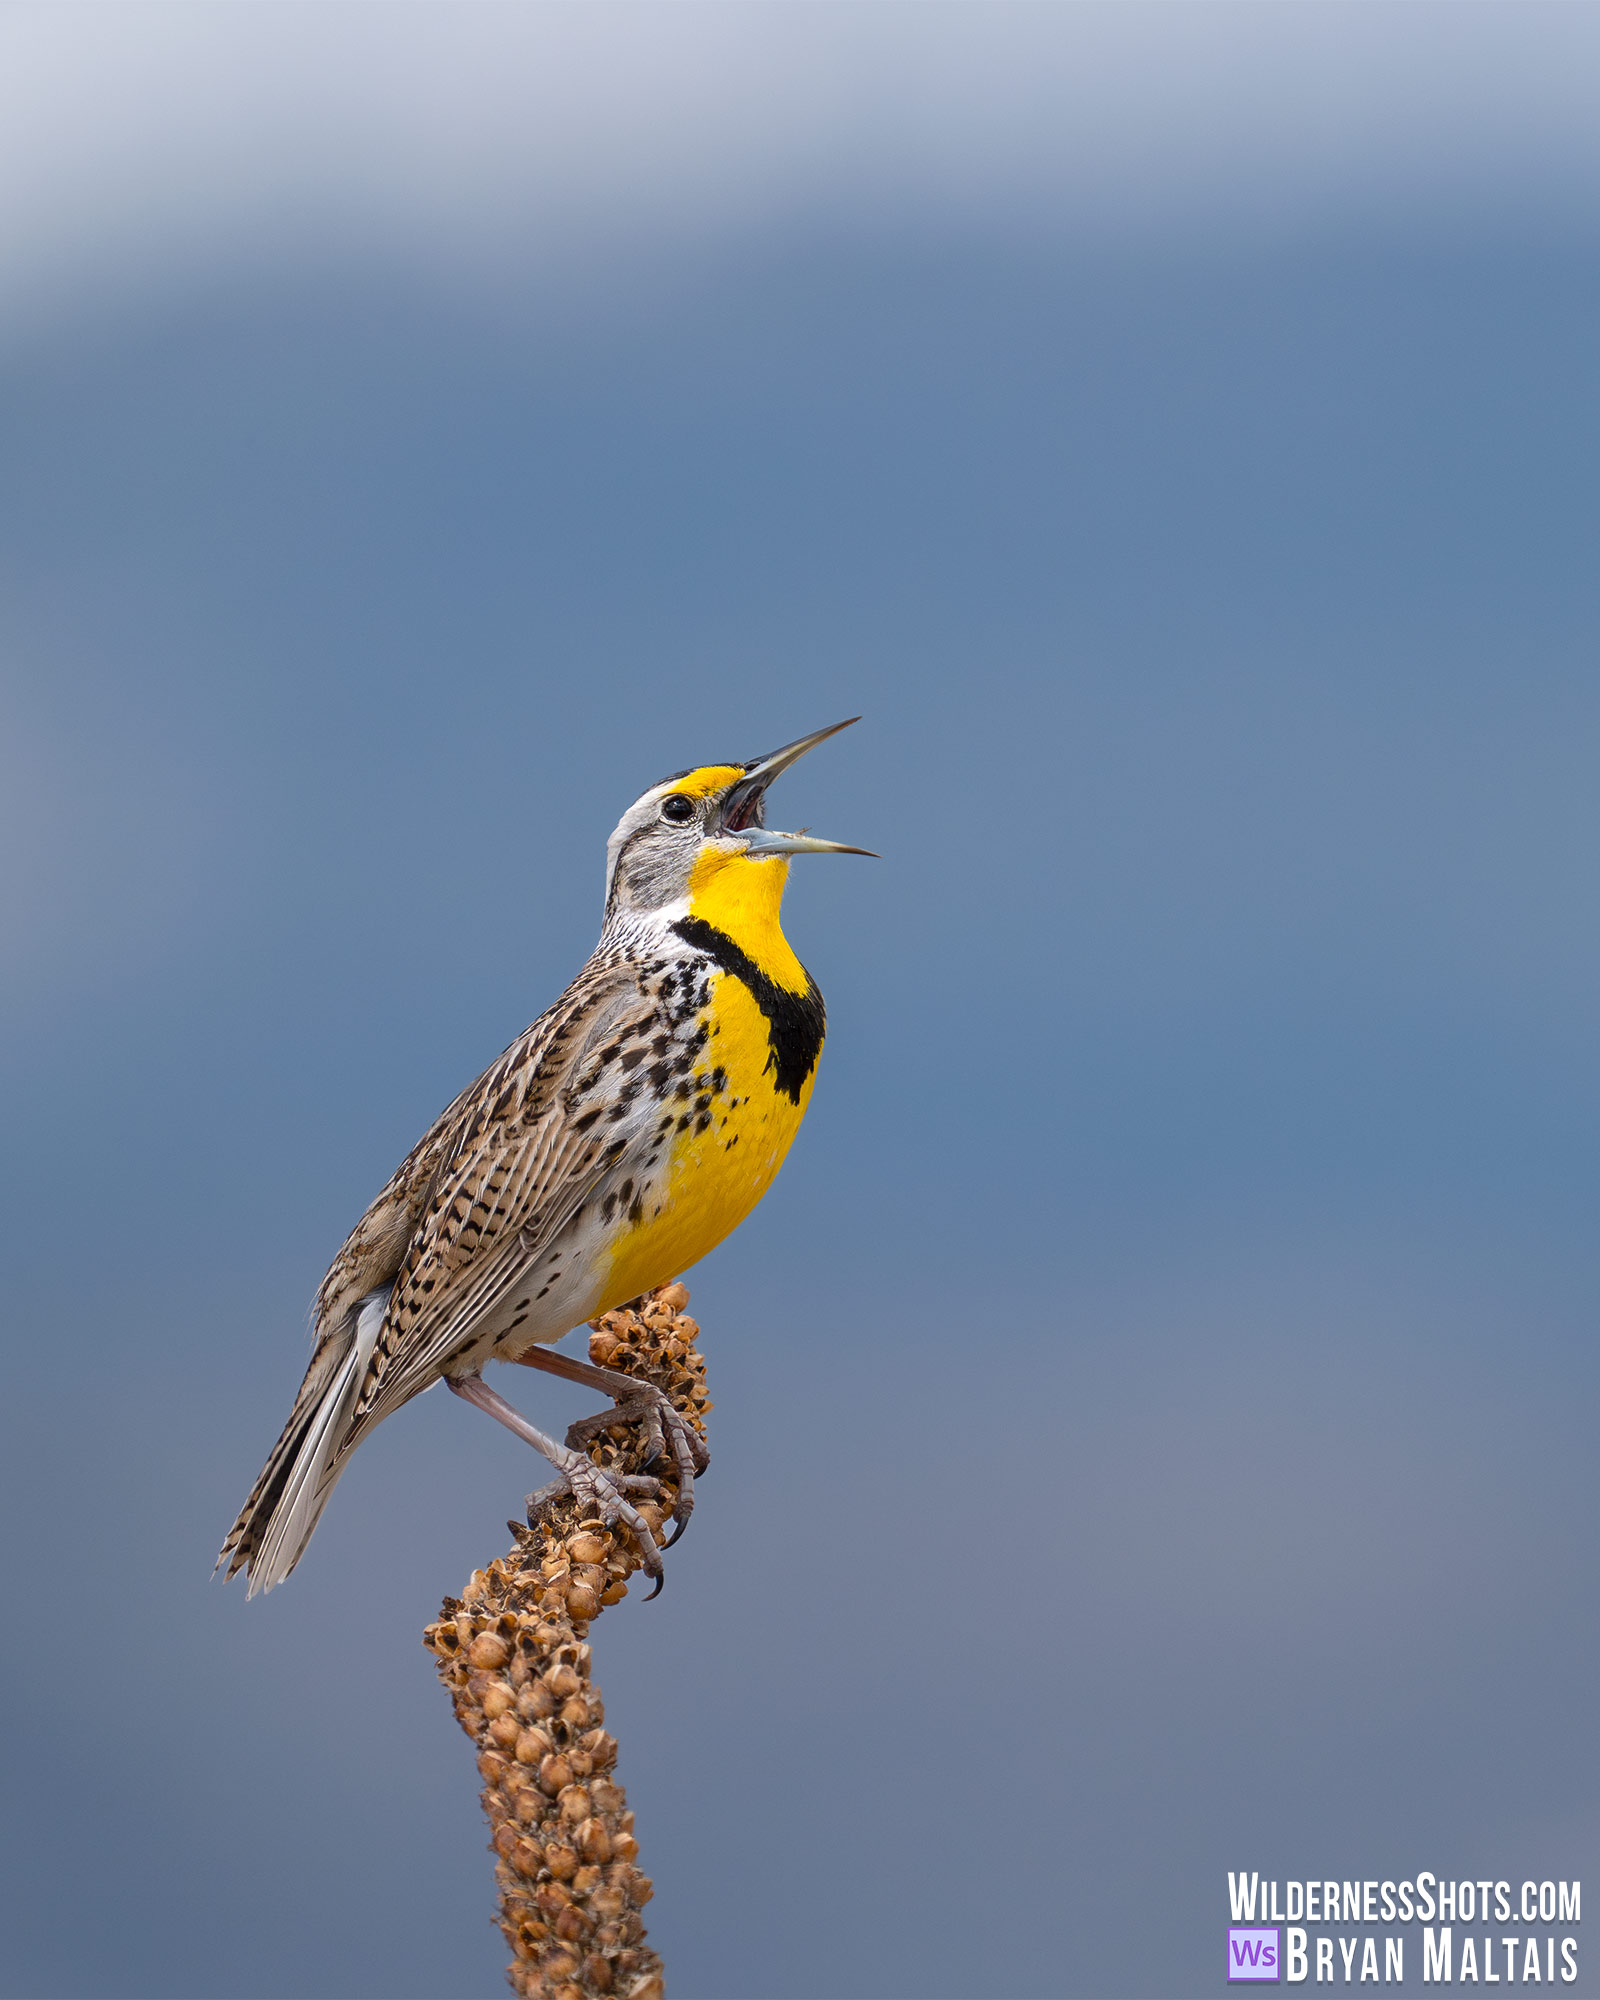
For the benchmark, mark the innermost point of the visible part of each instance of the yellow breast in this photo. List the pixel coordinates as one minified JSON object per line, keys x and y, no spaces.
{"x":751,"y":1086}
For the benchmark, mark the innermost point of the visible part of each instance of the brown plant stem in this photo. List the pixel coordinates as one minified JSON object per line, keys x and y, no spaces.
{"x":513,"y":1651}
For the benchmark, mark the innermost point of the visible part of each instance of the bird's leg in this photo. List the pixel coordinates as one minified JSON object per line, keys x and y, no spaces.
{"x":578,"y":1471}
{"x":634,"y":1399}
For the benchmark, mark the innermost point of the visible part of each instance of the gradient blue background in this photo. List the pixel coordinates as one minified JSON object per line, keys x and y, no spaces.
{"x":1155,"y":1410}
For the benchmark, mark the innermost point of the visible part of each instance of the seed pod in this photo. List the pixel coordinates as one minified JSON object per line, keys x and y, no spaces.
{"x":594,"y":1842}
{"x":674,"y":1296}
{"x":572,"y":1925}
{"x":586,"y":1881}
{"x":562,"y":1681}
{"x":561,"y":1860}
{"x":597,"y":1971}
{"x":488,"y":1650}
{"x":497,"y":1698}
{"x":641,"y":1889}
{"x":583,"y":1600}
{"x":602,"y":1748}
{"x":535,"y":1702}
{"x":614,"y":1592}
{"x":624,"y":1846}
{"x":527,"y":1857}
{"x":490,"y":1766}
{"x":582,"y":1763}
{"x":602,"y":1346}
{"x":551,"y":1898}
{"x":533,"y":1747}
{"x":585,"y":1547}
{"x":503,"y":1733}
{"x":555,"y":1773}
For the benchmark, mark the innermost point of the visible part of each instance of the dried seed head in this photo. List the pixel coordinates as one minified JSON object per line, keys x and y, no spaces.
{"x":559,"y":1826}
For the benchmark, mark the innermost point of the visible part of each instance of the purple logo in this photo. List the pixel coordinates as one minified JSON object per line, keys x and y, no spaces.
{"x":1252,"y":1954}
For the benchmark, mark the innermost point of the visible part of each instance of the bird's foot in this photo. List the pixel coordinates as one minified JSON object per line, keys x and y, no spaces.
{"x":542,"y":1503}
{"x":664,"y":1427}
{"x":603,"y":1494}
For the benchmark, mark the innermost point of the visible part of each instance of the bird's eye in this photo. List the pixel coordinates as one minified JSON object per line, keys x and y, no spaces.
{"x":678,"y":808}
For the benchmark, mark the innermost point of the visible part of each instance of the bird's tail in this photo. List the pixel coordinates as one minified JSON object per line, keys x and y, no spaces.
{"x":286,"y":1502}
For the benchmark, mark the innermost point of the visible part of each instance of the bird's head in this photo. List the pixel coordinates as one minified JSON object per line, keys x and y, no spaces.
{"x":699,"y":839}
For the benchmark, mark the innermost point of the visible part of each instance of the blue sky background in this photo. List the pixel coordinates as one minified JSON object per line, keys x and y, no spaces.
{"x":1154,"y":1423}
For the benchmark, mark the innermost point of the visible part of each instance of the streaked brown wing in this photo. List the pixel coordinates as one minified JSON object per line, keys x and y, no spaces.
{"x":524,"y":1156}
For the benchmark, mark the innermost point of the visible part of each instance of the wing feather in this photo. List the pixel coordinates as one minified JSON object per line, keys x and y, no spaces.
{"x":527,"y":1149}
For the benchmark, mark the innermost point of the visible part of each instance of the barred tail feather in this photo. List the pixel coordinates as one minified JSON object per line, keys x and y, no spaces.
{"x":276,"y":1522}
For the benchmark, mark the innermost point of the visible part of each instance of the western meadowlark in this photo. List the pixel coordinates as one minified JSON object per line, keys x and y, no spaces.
{"x":615,"y":1142}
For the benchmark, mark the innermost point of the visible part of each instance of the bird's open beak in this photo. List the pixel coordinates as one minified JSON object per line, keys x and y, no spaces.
{"x":743,"y":807}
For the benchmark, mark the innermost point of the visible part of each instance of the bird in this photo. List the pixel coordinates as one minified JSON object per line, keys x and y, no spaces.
{"x":617,"y":1141}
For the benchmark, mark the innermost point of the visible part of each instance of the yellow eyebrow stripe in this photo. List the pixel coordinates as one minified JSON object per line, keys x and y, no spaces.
{"x":708,"y":779}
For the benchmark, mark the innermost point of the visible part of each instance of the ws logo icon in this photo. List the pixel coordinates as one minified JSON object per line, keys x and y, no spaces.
{"x":1253,"y":1954}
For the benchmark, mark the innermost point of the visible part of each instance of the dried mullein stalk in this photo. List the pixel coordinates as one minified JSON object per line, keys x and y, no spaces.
{"x":513,"y":1652}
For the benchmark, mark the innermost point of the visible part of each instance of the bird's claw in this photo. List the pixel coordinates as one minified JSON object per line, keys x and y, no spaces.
{"x":593,"y":1487}
{"x":664,"y":1426}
